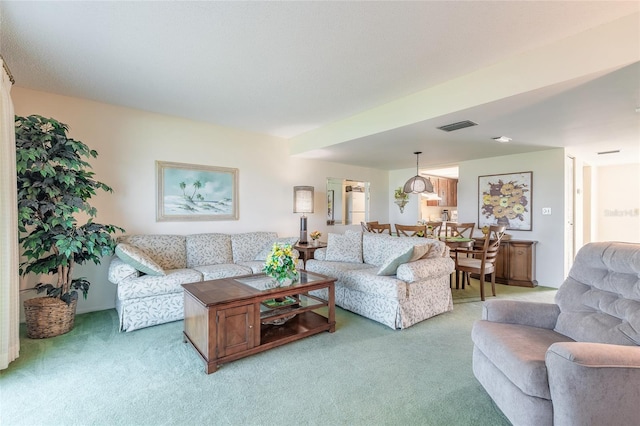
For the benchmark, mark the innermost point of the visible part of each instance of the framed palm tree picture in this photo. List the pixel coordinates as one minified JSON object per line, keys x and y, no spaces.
{"x":189,"y":192}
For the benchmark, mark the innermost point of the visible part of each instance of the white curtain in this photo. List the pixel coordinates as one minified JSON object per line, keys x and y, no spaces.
{"x":9,"y":280}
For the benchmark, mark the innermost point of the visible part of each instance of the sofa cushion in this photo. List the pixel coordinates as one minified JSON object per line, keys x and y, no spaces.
{"x":256,"y":266}
{"x":335,"y":269}
{"x":266,"y":249}
{"x":367,"y":280}
{"x":137,"y":258}
{"x":246,"y":246}
{"x":208,"y":249}
{"x":519,"y":351}
{"x":149,"y":285}
{"x":420,"y":251}
{"x":168,"y":251}
{"x":214,"y":272}
{"x":345,"y":247}
{"x":376,"y":247}
{"x":390,"y":266}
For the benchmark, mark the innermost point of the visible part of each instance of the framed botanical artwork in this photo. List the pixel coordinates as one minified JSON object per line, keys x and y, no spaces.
{"x":189,"y":192}
{"x":505,"y":199}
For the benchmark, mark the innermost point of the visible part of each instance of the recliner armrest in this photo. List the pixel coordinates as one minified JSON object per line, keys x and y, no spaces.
{"x":594,"y":383}
{"x":534,"y":314}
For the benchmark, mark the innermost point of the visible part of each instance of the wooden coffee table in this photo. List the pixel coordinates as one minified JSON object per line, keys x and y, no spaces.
{"x":222,"y":317}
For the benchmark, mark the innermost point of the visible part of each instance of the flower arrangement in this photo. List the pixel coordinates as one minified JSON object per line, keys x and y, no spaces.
{"x":505,"y":201}
{"x":315,"y":235}
{"x":281,"y":263}
{"x":399,"y":194}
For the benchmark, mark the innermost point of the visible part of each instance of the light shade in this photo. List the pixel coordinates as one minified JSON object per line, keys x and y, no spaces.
{"x":303,"y":199}
{"x":417,"y":184}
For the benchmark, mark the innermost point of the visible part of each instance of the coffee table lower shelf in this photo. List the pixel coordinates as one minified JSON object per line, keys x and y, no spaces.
{"x":222,"y":327}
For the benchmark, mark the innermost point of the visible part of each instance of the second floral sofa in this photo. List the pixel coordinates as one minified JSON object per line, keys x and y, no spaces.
{"x":397,"y":281}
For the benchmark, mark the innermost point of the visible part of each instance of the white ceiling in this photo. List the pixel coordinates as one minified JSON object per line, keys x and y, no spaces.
{"x":286,"y":68}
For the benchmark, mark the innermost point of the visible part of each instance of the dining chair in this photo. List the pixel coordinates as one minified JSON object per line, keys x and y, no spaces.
{"x":411,"y":230}
{"x":459,"y":230}
{"x":464,"y":230}
{"x":434,"y":229}
{"x":481,"y":261}
{"x":380,"y":228}
{"x":365,"y":227}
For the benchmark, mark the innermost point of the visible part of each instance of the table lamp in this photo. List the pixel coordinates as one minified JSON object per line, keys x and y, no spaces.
{"x":303,"y":203}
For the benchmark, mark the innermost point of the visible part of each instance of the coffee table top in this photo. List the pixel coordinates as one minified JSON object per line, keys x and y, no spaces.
{"x":247,"y":286}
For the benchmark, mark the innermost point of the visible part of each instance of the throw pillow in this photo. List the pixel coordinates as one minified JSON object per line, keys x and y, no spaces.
{"x":137,"y":258}
{"x":391,"y":264}
{"x":345,"y":247}
{"x":420,"y":252}
{"x":266,"y":249}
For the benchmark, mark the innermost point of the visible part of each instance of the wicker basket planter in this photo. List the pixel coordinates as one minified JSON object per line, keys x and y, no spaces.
{"x":48,"y":317}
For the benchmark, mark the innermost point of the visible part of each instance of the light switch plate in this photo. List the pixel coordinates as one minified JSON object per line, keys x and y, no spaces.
{"x":546,"y":210}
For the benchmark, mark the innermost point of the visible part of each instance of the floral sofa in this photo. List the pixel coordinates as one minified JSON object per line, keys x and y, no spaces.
{"x":397,"y":281}
{"x":149,"y":270}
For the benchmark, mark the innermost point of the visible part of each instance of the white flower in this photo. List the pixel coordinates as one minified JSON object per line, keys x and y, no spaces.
{"x":46,"y":128}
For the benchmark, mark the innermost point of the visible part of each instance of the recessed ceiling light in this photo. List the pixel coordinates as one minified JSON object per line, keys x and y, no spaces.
{"x":502,"y":139}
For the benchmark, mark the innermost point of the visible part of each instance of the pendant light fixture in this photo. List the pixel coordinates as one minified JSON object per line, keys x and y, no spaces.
{"x":418,"y":184}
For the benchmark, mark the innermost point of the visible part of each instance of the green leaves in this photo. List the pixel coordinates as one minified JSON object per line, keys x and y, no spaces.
{"x":55,"y":185}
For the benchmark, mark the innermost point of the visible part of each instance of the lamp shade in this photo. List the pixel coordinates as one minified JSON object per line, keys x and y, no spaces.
{"x":417,"y":184}
{"x":303,"y":199}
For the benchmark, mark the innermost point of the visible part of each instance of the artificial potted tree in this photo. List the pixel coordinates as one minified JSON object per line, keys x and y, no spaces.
{"x":54,"y":186}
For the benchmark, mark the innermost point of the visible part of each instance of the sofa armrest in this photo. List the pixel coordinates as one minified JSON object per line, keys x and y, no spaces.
{"x":119,"y":271}
{"x":594,"y":383}
{"x":425,"y":268}
{"x":534,"y":314}
{"x":320,"y":254}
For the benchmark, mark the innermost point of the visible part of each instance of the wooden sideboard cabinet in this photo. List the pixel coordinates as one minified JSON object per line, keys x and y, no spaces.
{"x":516,"y":263}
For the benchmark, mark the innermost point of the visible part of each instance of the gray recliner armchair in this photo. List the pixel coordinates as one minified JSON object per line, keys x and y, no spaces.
{"x":575,"y":362}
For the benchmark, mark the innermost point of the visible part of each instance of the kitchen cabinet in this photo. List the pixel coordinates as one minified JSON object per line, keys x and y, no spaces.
{"x":447,"y":190}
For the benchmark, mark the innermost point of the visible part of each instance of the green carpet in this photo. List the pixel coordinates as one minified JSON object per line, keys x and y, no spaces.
{"x":363,"y":374}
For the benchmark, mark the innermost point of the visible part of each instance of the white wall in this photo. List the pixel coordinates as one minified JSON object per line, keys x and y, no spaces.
{"x":547,"y":191}
{"x":411,"y":213}
{"x":129,"y":142}
{"x":617,"y":203}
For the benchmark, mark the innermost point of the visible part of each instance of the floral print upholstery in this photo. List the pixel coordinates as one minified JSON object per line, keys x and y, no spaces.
{"x":168,"y":251}
{"x":246,"y":246}
{"x":345,"y":247}
{"x":214,"y":272}
{"x":377,"y":248}
{"x":418,"y":291}
{"x":208,"y":249}
{"x":144,"y":300}
{"x":150,"y":285}
{"x":147,"y":311}
{"x":119,"y":271}
{"x":425,"y":268}
{"x":255,"y":265}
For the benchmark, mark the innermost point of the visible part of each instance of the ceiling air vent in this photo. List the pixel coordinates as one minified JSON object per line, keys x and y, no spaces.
{"x":609,"y":152}
{"x":457,"y":126}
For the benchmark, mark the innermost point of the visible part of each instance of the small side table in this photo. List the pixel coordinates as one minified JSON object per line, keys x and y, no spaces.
{"x":307,"y":250}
